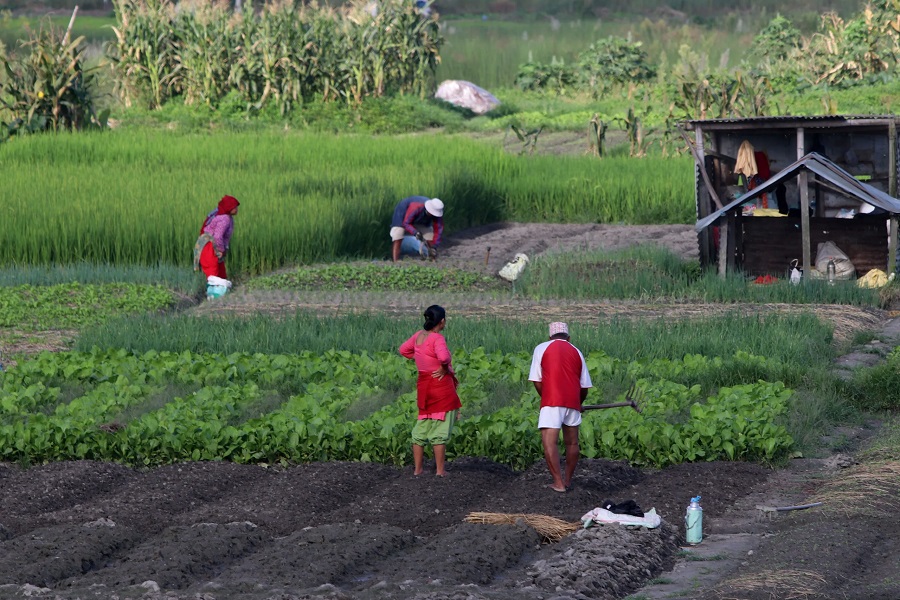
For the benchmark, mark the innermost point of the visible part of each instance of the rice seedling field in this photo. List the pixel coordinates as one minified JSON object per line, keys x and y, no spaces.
{"x":139,"y":197}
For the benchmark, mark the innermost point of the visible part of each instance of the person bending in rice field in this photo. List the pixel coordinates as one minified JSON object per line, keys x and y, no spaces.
{"x":436,"y":394}
{"x":215,"y":238}
{"x":562,"y":380}
{"x":410,"y":224}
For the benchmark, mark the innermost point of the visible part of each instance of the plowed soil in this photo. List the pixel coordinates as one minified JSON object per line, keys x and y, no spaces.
{"x":91,"y":530}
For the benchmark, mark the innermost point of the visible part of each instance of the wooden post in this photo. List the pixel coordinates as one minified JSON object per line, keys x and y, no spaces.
{"x":803,"y":182}
{"x":892,"y":192}
{"x":723,"y":247}
{"x":704,"y":238}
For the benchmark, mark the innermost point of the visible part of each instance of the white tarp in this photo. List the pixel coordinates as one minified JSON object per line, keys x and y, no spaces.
{"x":467,"y":95}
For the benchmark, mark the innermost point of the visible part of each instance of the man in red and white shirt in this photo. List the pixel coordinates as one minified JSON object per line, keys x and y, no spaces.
{"x":561,"y":378}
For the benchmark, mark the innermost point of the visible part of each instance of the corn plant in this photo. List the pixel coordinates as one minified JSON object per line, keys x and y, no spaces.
{"x":528,"y":138}
{"x":597,"y":135}
{"x":48,"y":88}
{"x":203,"y":53}
{"x":634,"y":129}
{"x":144,"y":53}
{"x":286,"y":53}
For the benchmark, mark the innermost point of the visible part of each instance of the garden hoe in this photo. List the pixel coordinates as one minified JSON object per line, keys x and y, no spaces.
{"x":633,"y":399}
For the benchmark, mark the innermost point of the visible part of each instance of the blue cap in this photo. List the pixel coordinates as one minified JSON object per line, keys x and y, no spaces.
{"x":695,"y":499}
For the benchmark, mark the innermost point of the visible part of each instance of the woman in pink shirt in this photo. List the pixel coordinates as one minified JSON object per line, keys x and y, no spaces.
{"x":436,"y":389}
{"x":215,"y":238}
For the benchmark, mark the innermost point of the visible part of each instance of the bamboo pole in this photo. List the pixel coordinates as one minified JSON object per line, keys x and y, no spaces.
{"x":66,"y":37}
{"x":804,"y":205}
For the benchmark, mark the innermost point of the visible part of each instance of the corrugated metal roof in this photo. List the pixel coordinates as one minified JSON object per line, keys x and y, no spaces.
{"x":814,"y":120}
{"x":824,"y":168}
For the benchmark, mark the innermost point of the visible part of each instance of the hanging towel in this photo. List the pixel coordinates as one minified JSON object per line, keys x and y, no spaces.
{"x":746,"y":160}
{"x":763,"y":173}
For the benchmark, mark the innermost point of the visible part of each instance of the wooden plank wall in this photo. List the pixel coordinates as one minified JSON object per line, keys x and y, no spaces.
{"x":770,"y":243}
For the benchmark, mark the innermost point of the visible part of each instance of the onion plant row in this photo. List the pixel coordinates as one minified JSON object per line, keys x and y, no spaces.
{"x":138,"y":197}
{"x":796,"y":343}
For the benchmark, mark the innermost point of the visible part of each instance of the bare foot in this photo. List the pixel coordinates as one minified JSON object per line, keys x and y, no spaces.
{"x":442,"y":474}
{"x":417,"y":473}
{"x":556,"y":489}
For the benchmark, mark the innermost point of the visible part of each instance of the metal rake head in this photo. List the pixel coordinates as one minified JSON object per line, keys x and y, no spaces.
{"x":634,"y":397}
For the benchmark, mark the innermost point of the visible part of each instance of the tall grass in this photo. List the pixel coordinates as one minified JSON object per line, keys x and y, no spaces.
{"x":652,"y":273}
{"x":139,"y":197}
{"x":801,"y":341}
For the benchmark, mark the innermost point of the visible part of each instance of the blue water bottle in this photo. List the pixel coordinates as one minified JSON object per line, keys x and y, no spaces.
{"x":693,"y":522}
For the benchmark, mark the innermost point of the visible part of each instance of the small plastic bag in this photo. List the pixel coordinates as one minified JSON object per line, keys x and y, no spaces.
{"x":795,"y":274}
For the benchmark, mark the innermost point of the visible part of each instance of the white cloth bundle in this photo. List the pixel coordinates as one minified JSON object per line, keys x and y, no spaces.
{"x":514,"y":268}
{"x":650,"y":520}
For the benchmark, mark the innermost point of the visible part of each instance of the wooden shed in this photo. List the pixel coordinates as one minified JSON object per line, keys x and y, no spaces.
{"x":815,"y":179}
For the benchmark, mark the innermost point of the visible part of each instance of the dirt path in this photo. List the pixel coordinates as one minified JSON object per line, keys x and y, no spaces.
{"x":469,"y":248}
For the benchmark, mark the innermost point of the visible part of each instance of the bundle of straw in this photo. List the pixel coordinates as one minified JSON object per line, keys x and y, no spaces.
{"x":549,"y":528}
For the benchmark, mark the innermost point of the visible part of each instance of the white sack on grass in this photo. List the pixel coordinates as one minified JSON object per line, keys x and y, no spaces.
{"x":467,"y":95}
{"x":514,"y":268}
{"x":218,"y":281}
{"x":843,"y":268}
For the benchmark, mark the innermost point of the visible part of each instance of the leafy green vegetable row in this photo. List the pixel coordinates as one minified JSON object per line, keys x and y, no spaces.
{"x":162,"y":407}
{"x":71,"y":305}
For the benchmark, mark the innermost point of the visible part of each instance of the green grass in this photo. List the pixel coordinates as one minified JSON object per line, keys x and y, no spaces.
{"x":651,"y":273}
{"x":886,"y":445}
{"x":876,"y":388}
{"x":305,"y":197}
{"x":818,"y":404}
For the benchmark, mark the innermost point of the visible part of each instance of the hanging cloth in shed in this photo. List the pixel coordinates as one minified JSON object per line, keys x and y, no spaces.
{"x":763,"y":173}
{"x":746,"y":161}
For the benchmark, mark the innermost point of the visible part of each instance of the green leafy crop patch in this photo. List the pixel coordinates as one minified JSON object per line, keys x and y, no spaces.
{"x":74,"y":305}
{"x":376,"y":277}
{"x":161,"y":407}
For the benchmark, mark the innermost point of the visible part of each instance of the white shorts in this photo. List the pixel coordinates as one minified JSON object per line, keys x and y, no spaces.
{"x":398,"y":233}
{"x":554,"y":417}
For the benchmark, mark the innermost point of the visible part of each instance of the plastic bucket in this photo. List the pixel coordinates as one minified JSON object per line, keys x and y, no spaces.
{"x":215,"y":291}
